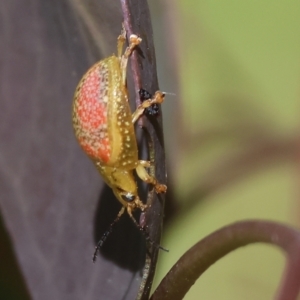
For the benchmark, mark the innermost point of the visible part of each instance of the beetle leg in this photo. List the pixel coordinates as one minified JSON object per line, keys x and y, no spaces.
{"x":144,"y":230}
{"x":158,"y":98}
{"x":145,"y":163}
{"x":145,"y":176}
{"x":121,"y":41}
{"x":137,"y":203}
{"x":140,"y":204}
{"x":134,"y":40}
{"x":129,"y":211}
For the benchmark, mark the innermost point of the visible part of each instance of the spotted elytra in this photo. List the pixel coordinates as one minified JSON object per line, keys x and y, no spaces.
{"x":103,"y":126}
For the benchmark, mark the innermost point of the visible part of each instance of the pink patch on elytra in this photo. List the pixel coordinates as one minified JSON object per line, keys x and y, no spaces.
{"x":100,"y":153}
{"x":92,"y":116}
{"x":91,"y":108}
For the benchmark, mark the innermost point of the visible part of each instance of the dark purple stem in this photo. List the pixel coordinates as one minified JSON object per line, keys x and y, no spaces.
{"x":143,"y":65}
{"x":206,"y":252}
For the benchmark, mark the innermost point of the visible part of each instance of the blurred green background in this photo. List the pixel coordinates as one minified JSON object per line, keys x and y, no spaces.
{"x":231,"y":131}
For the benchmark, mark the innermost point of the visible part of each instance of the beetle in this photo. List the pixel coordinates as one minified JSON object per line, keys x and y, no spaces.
{"x":104,"y":127}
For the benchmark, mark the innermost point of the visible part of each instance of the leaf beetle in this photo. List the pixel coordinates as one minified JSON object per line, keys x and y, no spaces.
{"x":104,"y":127}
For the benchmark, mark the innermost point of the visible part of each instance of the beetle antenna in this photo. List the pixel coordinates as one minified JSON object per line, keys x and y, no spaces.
{"x":146,"y":234}
{"x":111,"y":227}
{"x":107,"y":233}
{"x":171,"y":94}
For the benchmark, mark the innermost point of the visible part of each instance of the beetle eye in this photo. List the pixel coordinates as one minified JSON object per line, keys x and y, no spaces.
{"x":128,"y":197}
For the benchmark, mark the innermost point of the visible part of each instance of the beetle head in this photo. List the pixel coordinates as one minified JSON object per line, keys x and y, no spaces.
{"x":124,"y":187}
